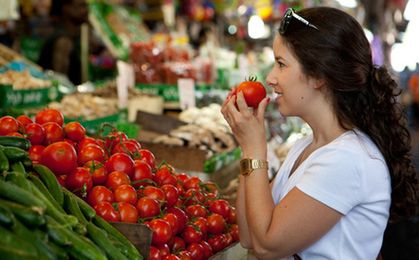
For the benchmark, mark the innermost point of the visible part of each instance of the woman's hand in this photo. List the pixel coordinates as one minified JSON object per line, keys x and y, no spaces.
{"x":248,"y":125}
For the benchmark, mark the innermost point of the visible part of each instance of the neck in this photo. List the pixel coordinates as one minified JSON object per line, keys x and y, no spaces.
{"x":324,"y":124}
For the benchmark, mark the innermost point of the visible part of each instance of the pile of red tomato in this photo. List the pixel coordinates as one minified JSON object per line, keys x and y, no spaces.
{"x":121,"y":181}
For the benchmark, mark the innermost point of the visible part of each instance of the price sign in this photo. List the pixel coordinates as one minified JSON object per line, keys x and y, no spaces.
{"x":124,"y":81}
{"x":186,"y":93}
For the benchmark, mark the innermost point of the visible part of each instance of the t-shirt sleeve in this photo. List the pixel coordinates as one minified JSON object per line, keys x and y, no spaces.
{"x":333,"y":178}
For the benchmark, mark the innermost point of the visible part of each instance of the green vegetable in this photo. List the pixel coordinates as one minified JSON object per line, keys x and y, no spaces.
{"x":100,"y":237}
{"x":13,"y":192}
{"x":51,"y":182}
{"x":15,"y":247}
{"x":78,"y":247}
{"x":88,"y":211}
{"x":43,"y":189}
{"x":71,"y":207}
{"x":14,"y":154}
{"x":18,"y":179}
{"x":6,"y":217}
{"x":15,"y":141}
{"x":30,"y":216}
{"x":4,"y":162}
{"x":101,"y":223}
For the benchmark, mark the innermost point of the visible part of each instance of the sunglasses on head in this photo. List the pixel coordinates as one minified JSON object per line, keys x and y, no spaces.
{"x":286,"y":20}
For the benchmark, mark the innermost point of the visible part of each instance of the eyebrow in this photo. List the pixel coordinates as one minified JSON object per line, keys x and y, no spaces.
{"x":278,"y":57}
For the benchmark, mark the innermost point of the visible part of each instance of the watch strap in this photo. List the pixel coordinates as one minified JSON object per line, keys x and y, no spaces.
{"x":248,"y":165}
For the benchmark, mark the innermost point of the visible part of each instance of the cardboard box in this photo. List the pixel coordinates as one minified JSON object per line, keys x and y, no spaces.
{"x":139,"y":235}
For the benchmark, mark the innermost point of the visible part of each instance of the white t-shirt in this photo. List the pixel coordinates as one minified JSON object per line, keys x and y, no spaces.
{"x":349,"y":175}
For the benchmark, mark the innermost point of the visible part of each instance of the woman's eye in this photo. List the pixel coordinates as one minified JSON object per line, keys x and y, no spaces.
{"x":281,"y":65}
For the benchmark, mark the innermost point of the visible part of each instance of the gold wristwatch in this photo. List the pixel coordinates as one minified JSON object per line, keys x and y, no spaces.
{"x":247,"y":165}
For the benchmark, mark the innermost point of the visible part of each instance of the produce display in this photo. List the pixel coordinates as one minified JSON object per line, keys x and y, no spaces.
{"x":41,"y":220}
{"x":187,"y":217}
{"x":207,"y":130}
{"x":22,"y":80}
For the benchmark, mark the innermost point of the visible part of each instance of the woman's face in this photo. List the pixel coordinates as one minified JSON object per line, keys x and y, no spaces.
{"x":287,"y":80}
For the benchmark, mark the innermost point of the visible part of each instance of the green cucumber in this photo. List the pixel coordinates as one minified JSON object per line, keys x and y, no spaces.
{"x":14,"y":154}
{"x":133,"y":251}
{"x":43,"y":249}
{"x":43,"y":189}
{"x":13,"y":192}
{"x":30,"y":216}
{"x":4,"y":162}
{"x":19,"y":168}
{"x":60,"y":252}
{"x":78,"y":247}
{"x":101,"y":239}
{"x":13,"y":246}
{"x":88,"y":212}
{"x":71,"y":207}
{"x":6,"y":217}
{"x":51,"y":182}
{"x":18,"y":179}
{"x":53,"y":210}
{"x":116,"y":243}
{"x":15,"y":141}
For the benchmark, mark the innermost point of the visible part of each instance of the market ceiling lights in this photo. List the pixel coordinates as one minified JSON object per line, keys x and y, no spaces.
{"x":256,"y":28}
{"x":348,"y":3}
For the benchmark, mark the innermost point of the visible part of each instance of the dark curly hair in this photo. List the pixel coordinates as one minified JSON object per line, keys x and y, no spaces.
{"x":363,"y":96}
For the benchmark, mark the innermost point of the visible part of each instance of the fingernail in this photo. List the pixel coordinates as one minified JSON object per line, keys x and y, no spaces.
{"x":269,"y":99}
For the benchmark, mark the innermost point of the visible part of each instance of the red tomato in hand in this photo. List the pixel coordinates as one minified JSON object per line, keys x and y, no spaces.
{"x":35,"y":133}
{"x":60,"y":157}
{"x":74,"y":131}
{"x":107,"y":211}
{"x":253,"y":92}
{"x":162,"y":232}
{"x":8,"y":125}
{"x":49,"y":115}
{"x":125,"y":193}
{"x":79,"y":181}
{"x":128,"y":213}
{"x":98,"y":194}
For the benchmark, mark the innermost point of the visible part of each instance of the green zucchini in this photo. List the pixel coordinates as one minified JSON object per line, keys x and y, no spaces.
{"x":14,"y":154}
{"x":71,"y":207}
{"x":133,"y":251}
{"x":51,"y":182}
{"x":78,"y":247}
{"x":52,"y":210}
{"x":43,"y":189}
{"x":13,"y":192}
{"x":88,"y":212}
{"x":44,"y":251}
{"x":4,"y":162}
{"x":14,"y":247}
{"x":18,"y":179}
{"x":30,"y":216}
{"x":6,"y":217}
{"x":15,"y":141}
{"x":101,"y":239}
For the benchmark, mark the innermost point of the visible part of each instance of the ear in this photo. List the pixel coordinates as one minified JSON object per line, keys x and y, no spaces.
{"x":317,"y":83}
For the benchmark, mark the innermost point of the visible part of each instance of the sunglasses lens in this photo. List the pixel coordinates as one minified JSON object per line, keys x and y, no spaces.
{"x":285,"y":21}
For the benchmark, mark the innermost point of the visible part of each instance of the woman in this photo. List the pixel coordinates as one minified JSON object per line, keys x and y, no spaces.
{"x":338,"y":187}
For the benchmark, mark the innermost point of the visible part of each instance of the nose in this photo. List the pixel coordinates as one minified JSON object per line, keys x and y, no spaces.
{"x":271,"y":81}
